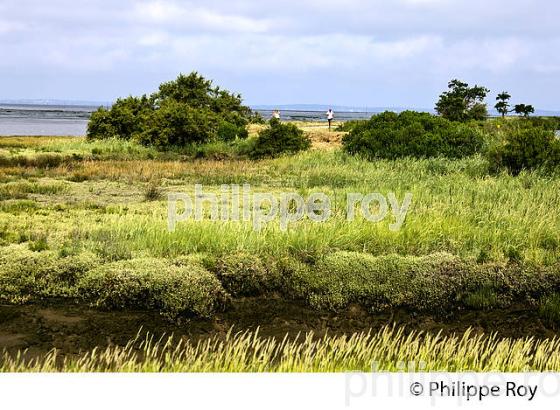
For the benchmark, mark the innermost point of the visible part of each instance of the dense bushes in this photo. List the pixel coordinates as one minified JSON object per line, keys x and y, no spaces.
{"x":278,"y":139}
{"x":525,"y":148}
{"x":200,"y":284}
{"x":412,"y":134}
{"x":188,"y":110}
{"x":435,"y":282}
{"x":145,"y":283}
{"x":151,"y":283}
{"x":243,"y":274}
{"x":26,"y":275}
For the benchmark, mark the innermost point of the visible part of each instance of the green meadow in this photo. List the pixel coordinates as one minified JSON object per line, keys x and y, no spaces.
{"x":86,"y":223}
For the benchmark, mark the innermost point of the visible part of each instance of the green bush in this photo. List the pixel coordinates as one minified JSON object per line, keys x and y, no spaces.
{"x":27,"y":275}
{"x":429,"y":282}
{"x":123,"y":120}
{"x":279,"y":139}
{"x":188,"y":110}
{"x":349,"y":125}
{"x":150,"y":283}
{"x":178,"y":124}
{"x":525,"y":148}
{"x":548,"y":123}
{"x":229,"y":132}
{"x":436,"y":282}
{"x":243,"y":274}
{"x":412,"y":134}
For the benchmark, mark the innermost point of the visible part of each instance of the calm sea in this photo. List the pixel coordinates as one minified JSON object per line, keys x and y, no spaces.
{"x":72,"y":120}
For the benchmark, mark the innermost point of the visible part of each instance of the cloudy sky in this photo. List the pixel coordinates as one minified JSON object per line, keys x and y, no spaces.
{"x":355,"y":52}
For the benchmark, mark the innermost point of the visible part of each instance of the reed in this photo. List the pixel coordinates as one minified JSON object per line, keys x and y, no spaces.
{"x":389,"y":349}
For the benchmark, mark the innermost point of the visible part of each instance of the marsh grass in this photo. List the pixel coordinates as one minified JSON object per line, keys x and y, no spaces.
{"x":389,"y":349}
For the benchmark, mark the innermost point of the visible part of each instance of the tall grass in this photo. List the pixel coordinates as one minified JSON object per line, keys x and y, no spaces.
{"x":389,"y":349}
{"x":457,"y":207}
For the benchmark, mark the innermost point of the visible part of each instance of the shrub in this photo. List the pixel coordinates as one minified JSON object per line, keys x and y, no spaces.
{"x":243,"y":274}
{"x":122,"y":120}
{"x":412,"y":134}
{"x":278,"y":139}
{"x":229,"y":132}
{"x":150,"y":283}
{"x":525,"y":148}
{"x":429,"y":282}
{"x":436,"y":282}
{"x":26,"y":275}
{"x":178,"y":124}
{"x":349,"y":125}
{"x":548,"y":123}
{"x":184,"y":111}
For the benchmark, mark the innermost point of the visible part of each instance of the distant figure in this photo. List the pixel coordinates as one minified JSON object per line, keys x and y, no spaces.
{"x":330,"y":117}
{"x":276,"y":114}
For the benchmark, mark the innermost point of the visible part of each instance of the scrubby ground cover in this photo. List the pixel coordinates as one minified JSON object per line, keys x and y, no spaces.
{"x":86,"y":222}
{"x":93,"y":228}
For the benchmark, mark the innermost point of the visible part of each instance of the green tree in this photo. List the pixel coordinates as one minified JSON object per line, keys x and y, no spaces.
{"x":462,"y":103}
{"x":502,"y":106}
{"x":189,"y":109}
{"x":524,"y":109}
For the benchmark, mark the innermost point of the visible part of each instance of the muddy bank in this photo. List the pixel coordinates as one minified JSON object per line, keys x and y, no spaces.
{"x":71,"y":329}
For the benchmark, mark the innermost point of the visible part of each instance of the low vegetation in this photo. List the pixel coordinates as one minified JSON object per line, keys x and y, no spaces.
{"x":410,"y":134}
{"x":388,"y":350}
{"x":85,"y":221}
{"x":279,"y":139}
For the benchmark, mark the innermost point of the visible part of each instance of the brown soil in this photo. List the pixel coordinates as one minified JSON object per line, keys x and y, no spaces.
{"x":73,"y":329}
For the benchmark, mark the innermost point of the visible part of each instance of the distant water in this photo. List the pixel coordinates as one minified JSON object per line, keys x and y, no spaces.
{"x":68,"y":120}
{"x":44,"y":120}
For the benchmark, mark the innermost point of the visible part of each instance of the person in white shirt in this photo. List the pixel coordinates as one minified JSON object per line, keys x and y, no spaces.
{"x":276,"y":114}
{"x":330,"y":117}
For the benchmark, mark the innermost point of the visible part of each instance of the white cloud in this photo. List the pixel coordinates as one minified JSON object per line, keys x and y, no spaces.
{"x":190,"y":16}
{"x":409,"y":44}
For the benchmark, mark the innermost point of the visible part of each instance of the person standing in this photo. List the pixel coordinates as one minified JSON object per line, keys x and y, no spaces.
{"x":330,"y":117}
{"x":276,"y":114}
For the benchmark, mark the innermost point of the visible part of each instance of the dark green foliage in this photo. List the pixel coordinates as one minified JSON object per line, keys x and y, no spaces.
{"x":524,"y":109}
{"x":526,"y":148}
{"x":184,"y":111}
{"x":436,"y":282}
{"x":412,"y":134}
{"x":151,"y":283}
{"x":243,"y":274}
{"x":256,"y":118}
{"x":548,"y":123}
{"x":462,"y":103}
{"x":349,"y":125}
{"x":342,"y":278}
{"x":278,"y":139}
{"x":123,"y":120}
{"x":228,"y":131}
{"x":177,"y":124}
{"x":502,"y":106}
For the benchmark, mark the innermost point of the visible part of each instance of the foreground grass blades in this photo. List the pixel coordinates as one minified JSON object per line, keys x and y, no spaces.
{"x":389,"y":349}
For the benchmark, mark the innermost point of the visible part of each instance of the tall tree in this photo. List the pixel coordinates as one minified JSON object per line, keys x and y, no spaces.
{"x":502,"y":106}
{"x":524,"y":109}
{"x":462,"y":103}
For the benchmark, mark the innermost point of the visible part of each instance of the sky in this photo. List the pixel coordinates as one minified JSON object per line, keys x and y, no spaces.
{"x":370,"y":53}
